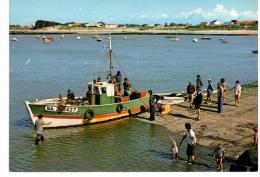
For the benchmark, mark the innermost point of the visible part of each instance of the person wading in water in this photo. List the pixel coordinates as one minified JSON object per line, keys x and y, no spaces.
{"x":39,"y":129}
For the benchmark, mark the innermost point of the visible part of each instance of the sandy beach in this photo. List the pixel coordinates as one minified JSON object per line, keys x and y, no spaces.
{"x":135,"y":31}
{"x":232,"y":128}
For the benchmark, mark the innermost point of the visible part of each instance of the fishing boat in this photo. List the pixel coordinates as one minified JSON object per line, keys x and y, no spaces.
{"x":103,"y":102}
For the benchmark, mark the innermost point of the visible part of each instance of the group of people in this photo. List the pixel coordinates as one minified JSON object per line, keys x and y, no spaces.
{"x":194,"y":94}
{"x":218,"y":152}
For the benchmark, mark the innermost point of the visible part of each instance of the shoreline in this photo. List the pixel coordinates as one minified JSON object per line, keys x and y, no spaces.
{"x":232,"y":128}
{"x":136,"y":31}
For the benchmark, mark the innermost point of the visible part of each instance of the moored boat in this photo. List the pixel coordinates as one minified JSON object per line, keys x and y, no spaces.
{"x":205,"y":38}
{"x":103,"y":102}
{"x":255,"y":51}
{"x":195,"y":40}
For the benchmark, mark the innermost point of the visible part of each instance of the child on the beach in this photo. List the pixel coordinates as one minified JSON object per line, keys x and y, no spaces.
{"x":174,"y":151}
{"x":219,"y":156}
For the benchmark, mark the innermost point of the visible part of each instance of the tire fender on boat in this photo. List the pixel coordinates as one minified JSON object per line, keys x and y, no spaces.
{"x":119,"y":108}
{"x":89,"y":114}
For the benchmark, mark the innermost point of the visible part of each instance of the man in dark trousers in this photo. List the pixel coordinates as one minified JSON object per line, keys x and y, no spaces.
{"x":152,"y":105}
{"x":39,"y":129}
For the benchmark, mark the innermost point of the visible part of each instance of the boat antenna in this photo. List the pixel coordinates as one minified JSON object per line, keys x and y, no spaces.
{"x":110,"y":57}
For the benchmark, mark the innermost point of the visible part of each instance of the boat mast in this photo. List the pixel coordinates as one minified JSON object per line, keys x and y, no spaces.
{"x":110,"y":58}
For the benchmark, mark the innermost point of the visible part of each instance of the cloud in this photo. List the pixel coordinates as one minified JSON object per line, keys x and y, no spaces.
{"x":233,"y":13}
{"x":219,"y":8}
{"x":198,"y":11}
{"x":164,"y":15}
{"x":143,"y":16}
{"x":249,"y":14}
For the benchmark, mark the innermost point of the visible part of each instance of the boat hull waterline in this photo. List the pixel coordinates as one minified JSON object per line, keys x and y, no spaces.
{"x":76,"y":115}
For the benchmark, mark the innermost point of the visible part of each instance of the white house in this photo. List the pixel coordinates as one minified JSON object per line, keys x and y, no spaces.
{"x":215,"y":23}
{"x":109,"y":25}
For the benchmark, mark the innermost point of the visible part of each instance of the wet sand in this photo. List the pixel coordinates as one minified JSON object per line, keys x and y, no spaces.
{"x":232,"y":128}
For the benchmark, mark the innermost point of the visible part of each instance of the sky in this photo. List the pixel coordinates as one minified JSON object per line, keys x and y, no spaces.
{"x":26,"y":12}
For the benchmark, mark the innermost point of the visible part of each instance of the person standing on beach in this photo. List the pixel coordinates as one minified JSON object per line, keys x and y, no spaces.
{"x":197,"y":103}
{"x":220,"y":98}
{"x":255,"y":144}
{"x":209,"y":92}
{"x":152,"y":105}
{"x":199,"y":84}
{"x":174,"y":151}
{"x":224,"y":86}
{"x":190,"y":94}
{"x":39,"y":129}
{"x":237,"y":93}
{"x":219,"y":154}
{"x":192,"y":140}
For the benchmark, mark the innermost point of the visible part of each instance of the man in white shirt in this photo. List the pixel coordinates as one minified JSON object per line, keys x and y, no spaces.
{"x":237,"y":93}
{"x":190,"y":134}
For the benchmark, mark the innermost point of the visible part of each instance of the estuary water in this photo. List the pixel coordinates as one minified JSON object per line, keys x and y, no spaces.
{"x":150,"y":62}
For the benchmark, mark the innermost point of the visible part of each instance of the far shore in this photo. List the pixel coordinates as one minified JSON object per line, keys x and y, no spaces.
{"x":137,"y":31}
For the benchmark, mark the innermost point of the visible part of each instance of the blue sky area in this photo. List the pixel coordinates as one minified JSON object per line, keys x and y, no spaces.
{"x":26,"y":12}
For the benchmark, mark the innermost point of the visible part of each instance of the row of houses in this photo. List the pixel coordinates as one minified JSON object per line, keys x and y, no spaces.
{"x":94,"y":25}
{"x":232,"y":22}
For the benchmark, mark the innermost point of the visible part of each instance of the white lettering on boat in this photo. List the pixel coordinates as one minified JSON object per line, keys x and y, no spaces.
{"x":55,"y":109}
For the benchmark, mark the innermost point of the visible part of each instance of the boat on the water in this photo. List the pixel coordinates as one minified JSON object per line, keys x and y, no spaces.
{"x":175,"y":39}
{"x":195,"y":40}
{"x":78,"y":37}
{"x":205,"y":38}
{"x":255,"y":51}
{"x":14,"y":39}
{"x":102,"y":102}
{"x":99,"y":39}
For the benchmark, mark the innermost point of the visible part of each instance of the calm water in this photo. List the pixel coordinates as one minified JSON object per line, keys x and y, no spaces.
{"x":150,"y":62}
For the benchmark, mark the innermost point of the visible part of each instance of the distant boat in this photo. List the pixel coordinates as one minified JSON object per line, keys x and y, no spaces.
{"x":255,"y":51}
{"x":37,"y":36}
{"x":78,"y":37}
{"x":48,"y":40}
{"x":44,"y":36}
{"x":125,"y":37}
{"x":14,"y":39}
{"x":99,"y":39}
{"x":224,"y":41}
{"x":195,"y":40}
{"x":221,"y":39}
{"x":170,"y":36}
{"x":62,"y":36}
{"x":205,"y":38}
{"x":175,"y":39}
